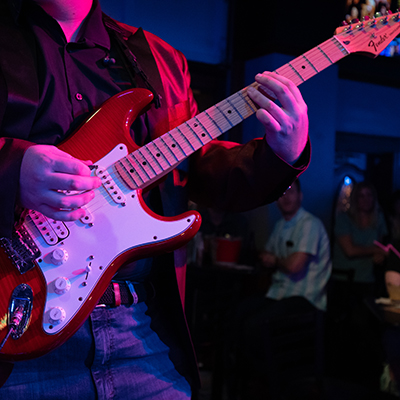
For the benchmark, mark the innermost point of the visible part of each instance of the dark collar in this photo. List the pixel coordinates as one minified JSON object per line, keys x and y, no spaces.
{"x":93,"y":29}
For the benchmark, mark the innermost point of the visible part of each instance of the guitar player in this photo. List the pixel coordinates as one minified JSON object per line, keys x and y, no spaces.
{"x":60,"y":61}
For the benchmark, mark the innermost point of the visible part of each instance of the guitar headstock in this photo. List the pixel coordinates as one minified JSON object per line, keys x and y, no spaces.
{"x":369,"y":36}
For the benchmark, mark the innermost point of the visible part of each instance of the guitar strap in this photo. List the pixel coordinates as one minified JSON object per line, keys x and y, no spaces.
{"x":139,"y":48}
{"x":132,"y":66}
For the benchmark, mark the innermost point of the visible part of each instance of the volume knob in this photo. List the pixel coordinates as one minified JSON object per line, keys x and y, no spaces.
{"x":56,"y":315}
{"x":62,"y":285}
{"x":59,"y":256}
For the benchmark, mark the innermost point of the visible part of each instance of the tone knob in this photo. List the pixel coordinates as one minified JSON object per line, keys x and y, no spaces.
{"x":62,"y":285}
{"x":59,"y":256}
{"x":57,"y":315}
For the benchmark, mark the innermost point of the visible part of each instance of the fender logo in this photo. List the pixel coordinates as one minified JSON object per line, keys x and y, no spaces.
{"x":377,"y":44}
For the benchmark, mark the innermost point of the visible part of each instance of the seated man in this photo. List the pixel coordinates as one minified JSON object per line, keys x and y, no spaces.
{"x":299,"y":251}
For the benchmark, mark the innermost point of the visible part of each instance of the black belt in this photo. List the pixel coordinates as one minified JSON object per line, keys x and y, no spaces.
{"x":119,"y":293}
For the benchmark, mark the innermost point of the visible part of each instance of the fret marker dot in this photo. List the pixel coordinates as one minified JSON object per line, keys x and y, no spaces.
{"x":144,"y":162}
{"x":303,"y":66}
{"x":174,"y":145}
{"x":158,"y":154}
{"x":131,"y":170}
{"x":229,"y":111}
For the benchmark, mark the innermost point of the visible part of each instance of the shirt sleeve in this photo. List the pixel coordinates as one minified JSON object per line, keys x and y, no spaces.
{"x":238,"y":178}
{"x":271,"y":242}
{"x":11,"y":154}
{"x":307,"y":237}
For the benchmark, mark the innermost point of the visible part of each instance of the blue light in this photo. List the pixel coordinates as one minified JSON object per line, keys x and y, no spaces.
{"x":347,"y":180}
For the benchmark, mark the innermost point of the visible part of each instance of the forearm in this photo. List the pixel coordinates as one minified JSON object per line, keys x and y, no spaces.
{"x":354,"y":251}
{"x":241,"y":177}
{"x":292,"y":264}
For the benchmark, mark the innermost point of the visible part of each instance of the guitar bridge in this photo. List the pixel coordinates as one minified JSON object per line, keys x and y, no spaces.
{"x":21,"y":249}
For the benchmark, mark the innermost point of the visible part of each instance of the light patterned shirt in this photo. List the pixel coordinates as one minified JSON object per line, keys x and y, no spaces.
{"x":303,"y":233}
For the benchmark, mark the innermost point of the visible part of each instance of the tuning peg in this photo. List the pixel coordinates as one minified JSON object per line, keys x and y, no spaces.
{"x":366,"y":18}
{"x":344,"y":23}
{"x":377,"y":15}
{"x":355,"y":21}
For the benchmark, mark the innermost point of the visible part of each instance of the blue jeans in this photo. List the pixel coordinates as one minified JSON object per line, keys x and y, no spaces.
{"x":114,"y":355}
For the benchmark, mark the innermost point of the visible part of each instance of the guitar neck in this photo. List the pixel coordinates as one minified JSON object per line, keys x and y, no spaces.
{"x":152,"y":161}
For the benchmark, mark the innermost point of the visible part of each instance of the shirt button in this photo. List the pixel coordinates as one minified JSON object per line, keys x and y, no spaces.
{"x":78,"y":96}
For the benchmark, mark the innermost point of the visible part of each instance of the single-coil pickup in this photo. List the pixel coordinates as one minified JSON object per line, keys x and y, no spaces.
{"x":110,"y":185}
{"x":88,"y":218}
{"x":52,"y":231}
{"x":59,"y":228}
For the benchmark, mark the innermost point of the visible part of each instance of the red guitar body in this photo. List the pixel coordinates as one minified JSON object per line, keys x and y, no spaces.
{"x":83,"y":256}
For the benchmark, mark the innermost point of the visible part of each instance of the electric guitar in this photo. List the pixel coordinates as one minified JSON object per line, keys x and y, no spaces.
{"x":53,"y":273}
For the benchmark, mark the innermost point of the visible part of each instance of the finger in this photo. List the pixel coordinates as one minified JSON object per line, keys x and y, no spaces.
{"x":61,"y":201}
{"x":71,"y":166}
{"x":63,"y":156}
{"x":67,"y":182}
{"x":269,"y":113}
{"x":284,"y":89}
{"x":273,"y":78}
{"x":270,"y":123}
{"x":61,"y":215}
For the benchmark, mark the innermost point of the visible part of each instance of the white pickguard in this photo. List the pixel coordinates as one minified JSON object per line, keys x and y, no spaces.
{"x":90,"y":248}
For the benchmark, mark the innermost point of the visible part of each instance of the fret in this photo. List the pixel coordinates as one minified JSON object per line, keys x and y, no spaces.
{"x":165,"y":150}
{"x":158,"y":155}
{"x":147,"y":165}
{"x":303,"y":68}
{"x":310,"y":64}
{"x":127,"y":174}
{"x":316,"y":60}
{"x":288,"y":72}
{"x":122,"y":174}
{"x":199,"y":130}
{"x":174,"y":146}
{"x":209,"y":125}
{"x":215,"y":115}
{"x":229,"y":111}
{"x":182,"y":141}
{"x":297,"y":78}
{"x":133,"y":167}
{"x":186,"y":131}
{"x":244,"y":104}
{"x":338,"y":51}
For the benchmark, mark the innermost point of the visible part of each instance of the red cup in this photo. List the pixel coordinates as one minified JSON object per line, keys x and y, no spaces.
{"x":227,"y":250}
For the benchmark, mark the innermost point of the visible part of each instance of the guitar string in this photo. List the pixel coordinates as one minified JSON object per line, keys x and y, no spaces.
{"x":96,"y":205}
{"x":289,"y":70}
